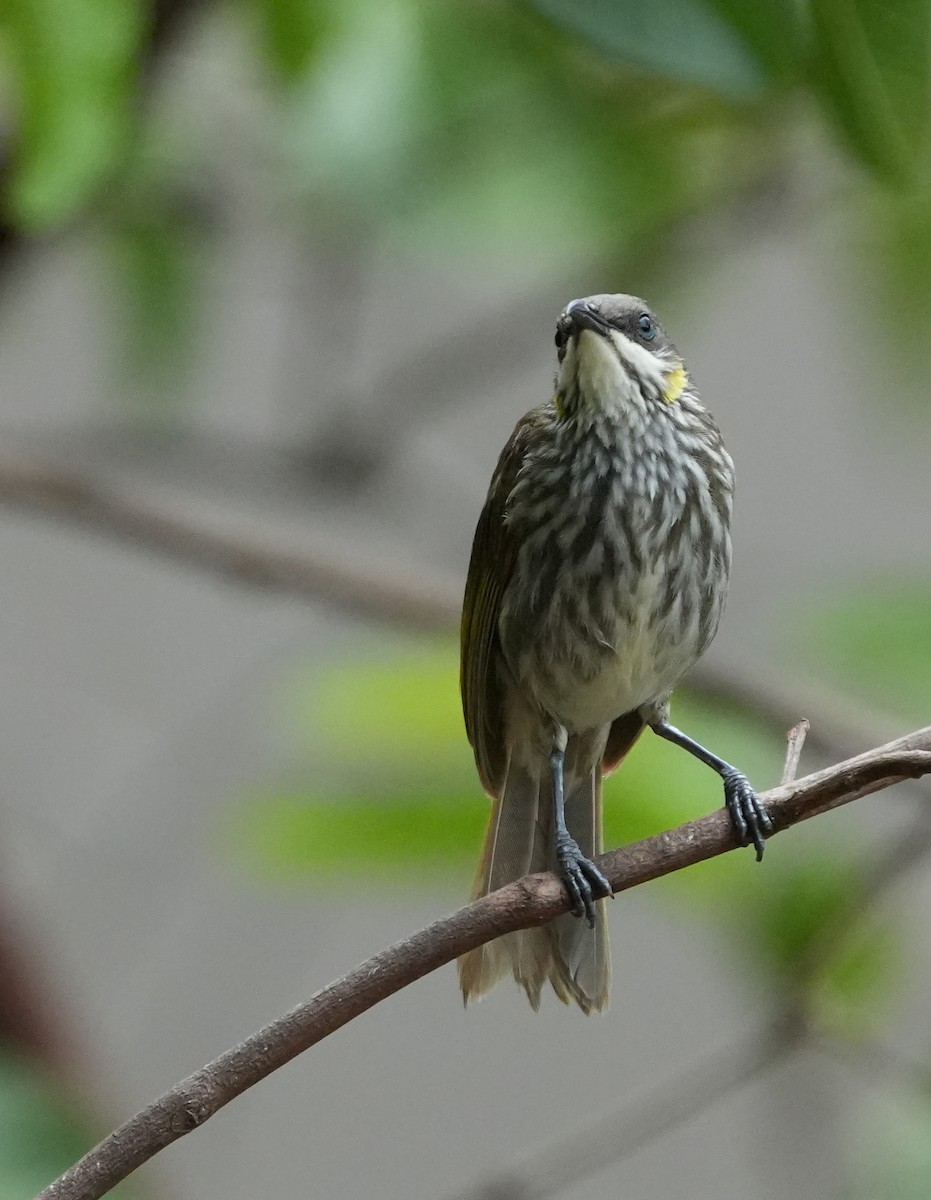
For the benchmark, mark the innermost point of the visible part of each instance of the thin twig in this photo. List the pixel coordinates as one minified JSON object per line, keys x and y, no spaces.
{"x":840,"y":725}
{"x":795,"y":740}
{"x":531,"y":901}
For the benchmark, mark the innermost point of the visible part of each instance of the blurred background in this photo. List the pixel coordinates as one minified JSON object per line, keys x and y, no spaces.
{"x":277,"y":277}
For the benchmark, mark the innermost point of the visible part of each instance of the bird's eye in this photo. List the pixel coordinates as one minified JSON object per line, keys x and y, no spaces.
{"x":647,"y":328}
{"x":563,"y":330}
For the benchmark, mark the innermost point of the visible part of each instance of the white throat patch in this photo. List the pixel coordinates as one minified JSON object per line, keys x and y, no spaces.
{"x":610,"y":370}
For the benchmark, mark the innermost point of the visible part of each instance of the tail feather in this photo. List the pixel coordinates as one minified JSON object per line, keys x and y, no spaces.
{"x":509,"y":847}
{"x":519,"y":840}
{"x":582,"y":956}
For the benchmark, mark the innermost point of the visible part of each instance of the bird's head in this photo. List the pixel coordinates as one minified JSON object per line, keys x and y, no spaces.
{"x":614,"y":355}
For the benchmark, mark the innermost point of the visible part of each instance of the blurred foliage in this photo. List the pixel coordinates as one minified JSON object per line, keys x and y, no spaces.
{"x":898,"y":246}
{"x":394,"y":800}
{"x":802,"y":939}
{"x":870,"y":639}
{"x":553,"y":129}
{"x":290,"y":33}
{"x":870,"y":65}
{"x":892,"y":1154}
{"x":399,"y":790}
{"x":73,"y":69}
{"x":705,"y":50}
{"x":158,"y":282}
{"x":40,"y":1135}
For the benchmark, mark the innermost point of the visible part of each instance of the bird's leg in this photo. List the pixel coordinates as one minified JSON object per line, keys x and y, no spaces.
{"x":748,"y":815}
{"x":583,"y":881}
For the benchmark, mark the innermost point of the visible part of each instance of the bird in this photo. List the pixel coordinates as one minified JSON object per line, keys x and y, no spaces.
{"x":598,"y":577}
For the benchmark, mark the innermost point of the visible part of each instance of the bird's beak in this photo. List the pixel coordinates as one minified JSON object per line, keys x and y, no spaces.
{"x":579,"y":315}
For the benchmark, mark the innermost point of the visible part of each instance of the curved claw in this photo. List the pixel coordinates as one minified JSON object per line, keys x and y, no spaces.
{"x":582,"y":879}
{"x":751,"y":821}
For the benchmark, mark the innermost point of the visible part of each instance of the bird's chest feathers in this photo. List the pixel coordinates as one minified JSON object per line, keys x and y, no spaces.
{"x":598,"y":508}
{"x":595,"y":619}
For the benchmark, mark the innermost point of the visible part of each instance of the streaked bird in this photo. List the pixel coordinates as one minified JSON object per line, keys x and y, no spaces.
{"x":598,"y":577}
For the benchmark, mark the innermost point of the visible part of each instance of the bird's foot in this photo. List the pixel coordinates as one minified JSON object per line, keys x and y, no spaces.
{"x":584,"y":882}
{"x":751,"y":821}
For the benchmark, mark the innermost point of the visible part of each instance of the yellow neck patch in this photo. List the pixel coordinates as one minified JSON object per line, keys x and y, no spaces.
{"x":676,"y":383}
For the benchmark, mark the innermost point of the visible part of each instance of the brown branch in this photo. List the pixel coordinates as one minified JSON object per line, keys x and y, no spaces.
{"x":528,"y":902}
{"x":404,"y":599}
{"x":576,"y":1154}
{"x":78,"y":498}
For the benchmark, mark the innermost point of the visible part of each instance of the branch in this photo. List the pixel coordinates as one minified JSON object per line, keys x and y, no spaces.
{"x":795,"y":739}
{"x":578,"y":1153}
{"x":400,"y":598}
{"x":80,"y":499}
{"x":839,"y":724}
{"x":531,"y":901}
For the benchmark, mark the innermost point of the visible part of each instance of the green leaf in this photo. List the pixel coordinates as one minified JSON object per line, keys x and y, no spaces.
{"x":679,"y":39}
{"x":348,"y":839}
{"x":74,"y":75}
{"x":873,"y":641}
{"x":871,"y":66}
{"x":397,"y":713}
{"x":290,"y":33}
{"x":771,"y":30}
{"x":894,"y":228}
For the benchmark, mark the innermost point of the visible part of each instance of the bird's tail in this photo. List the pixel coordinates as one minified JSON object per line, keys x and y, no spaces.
{"x":519,"y":840}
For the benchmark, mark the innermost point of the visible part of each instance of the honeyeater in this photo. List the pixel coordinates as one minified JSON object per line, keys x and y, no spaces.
{"x":598,"y":577}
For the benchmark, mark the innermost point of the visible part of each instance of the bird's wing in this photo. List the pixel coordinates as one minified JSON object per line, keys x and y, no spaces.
{"x":494,"y":552}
